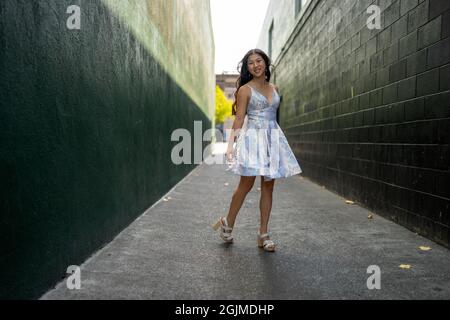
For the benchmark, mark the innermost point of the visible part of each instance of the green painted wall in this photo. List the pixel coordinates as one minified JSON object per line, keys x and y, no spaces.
{"x":85,"y":123}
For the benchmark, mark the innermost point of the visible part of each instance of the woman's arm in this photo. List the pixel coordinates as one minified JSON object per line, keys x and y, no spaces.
{"x":241,"y":109}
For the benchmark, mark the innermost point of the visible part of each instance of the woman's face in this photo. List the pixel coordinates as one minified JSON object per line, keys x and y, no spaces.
{"x":256,"y":65}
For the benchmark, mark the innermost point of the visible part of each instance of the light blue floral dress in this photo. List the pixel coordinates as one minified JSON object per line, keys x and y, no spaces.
{"x":261,"y":148}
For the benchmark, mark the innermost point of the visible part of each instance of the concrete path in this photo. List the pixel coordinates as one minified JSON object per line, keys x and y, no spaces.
{"x":324,"y":249}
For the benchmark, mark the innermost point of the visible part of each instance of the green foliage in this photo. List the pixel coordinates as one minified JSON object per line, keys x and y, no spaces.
{"x":223,"y":106}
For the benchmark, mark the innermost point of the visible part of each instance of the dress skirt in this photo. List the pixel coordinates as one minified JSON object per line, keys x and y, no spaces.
{"x":261,"y":149}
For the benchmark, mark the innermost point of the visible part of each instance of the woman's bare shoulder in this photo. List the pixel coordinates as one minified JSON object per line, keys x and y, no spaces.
{"x":244,"y":91}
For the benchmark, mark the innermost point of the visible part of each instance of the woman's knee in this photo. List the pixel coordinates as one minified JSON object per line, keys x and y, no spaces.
{"x":246,"y":184}
{"x":267,"y":186}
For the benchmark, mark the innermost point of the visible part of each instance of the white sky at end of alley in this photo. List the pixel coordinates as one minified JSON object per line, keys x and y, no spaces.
{"x":237,"y":26}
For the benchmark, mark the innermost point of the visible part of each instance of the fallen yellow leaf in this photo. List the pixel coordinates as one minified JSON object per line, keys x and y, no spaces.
{"x":349,"y":202}
{"x":405,"y":266}
{"x":423,"y":248}
{"x":369,"y":216}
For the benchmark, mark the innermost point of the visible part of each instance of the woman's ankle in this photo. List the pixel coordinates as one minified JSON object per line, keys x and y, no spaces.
{"x":230,"y":223}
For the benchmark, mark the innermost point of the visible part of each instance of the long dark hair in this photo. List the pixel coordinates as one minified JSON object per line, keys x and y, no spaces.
{"x":245,"y":76}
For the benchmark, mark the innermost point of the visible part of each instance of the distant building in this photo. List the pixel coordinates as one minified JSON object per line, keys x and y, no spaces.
{"x":227,"y":82}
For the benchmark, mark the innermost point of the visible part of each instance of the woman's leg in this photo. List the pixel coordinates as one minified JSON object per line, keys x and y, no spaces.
{"x":265,"y":203}
{"x":245,"y":185}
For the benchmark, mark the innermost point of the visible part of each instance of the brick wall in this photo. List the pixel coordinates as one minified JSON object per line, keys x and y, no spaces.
{"x":367,"y":112}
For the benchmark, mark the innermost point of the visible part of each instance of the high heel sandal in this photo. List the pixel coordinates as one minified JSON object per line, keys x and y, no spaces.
{"x":225,"y":230}
{"x":267,"y":245}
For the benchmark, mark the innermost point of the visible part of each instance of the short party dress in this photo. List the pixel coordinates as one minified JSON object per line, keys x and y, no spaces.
{"x":261,"y":148}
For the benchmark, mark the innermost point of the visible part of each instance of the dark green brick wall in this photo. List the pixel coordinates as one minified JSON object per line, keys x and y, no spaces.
{"x":368,"y":111}
{"x":85,"y":124}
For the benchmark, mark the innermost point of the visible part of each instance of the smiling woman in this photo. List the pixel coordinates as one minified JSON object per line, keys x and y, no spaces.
{"x":261,"y":148}
{"x":257,"y":101}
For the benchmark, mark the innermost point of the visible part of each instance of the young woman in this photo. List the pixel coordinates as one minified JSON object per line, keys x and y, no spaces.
{"x":257,"y":145}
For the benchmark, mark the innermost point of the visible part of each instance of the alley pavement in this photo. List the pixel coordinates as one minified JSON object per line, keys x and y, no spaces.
{"x":324,"y":249}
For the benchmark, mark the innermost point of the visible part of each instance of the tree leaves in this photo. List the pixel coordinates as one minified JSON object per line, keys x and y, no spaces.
{"x":223,"y":106}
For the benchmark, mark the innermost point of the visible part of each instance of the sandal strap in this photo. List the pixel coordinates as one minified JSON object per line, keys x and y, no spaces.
{"x":224,"y":224}
{"x":263,"y":235}
{"x":226,"y":228}
{"x":227,"y":236}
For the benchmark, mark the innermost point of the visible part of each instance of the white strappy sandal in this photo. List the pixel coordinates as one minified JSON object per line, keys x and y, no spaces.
{"x":267,"y":245}
{"x":225,"y":230}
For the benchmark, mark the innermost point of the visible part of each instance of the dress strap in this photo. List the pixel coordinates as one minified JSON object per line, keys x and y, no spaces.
{"x":272,"y":86}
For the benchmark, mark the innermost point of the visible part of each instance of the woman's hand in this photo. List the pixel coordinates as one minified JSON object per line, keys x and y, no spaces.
{"x":230,"y":152}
